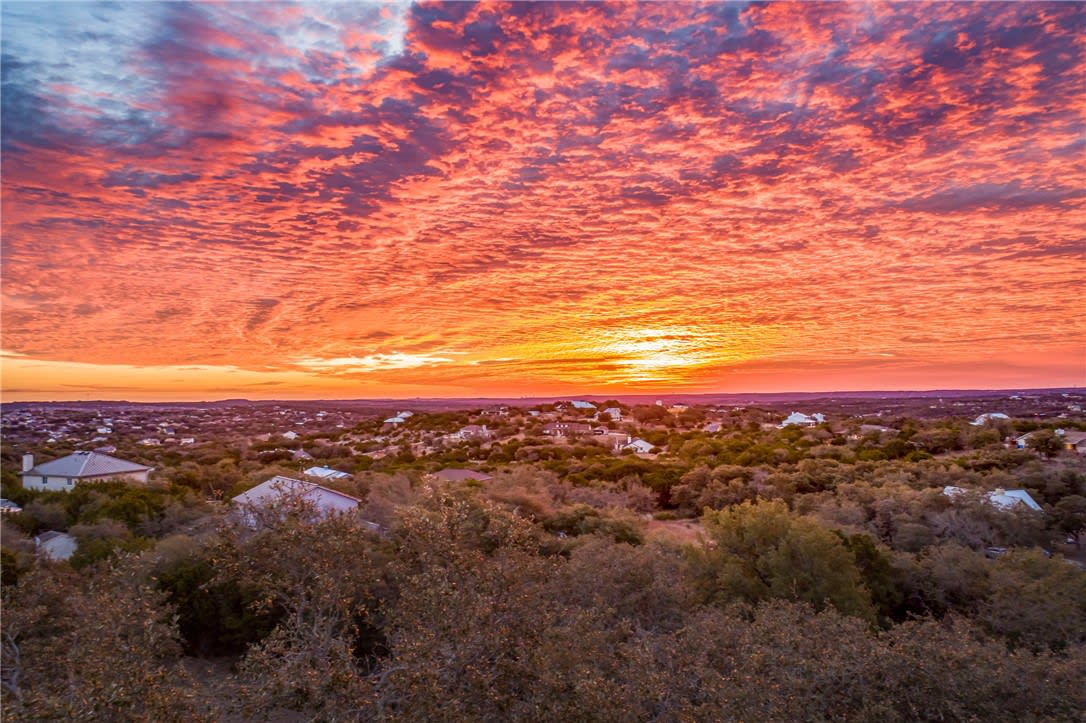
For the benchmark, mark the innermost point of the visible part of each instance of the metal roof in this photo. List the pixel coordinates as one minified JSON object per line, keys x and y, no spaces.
{"x":326,"y":473}
{"x":86,"y":464}
{"x":450,"y":474}
{"x":272,"y":490}
{"x":51,"y":535}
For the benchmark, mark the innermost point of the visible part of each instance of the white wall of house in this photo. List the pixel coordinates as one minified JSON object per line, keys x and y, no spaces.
{"x":64,"y":484}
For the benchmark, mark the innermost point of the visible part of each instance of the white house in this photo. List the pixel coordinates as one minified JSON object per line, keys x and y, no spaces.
{"x":56,"y":545}
{"x":64,"y":473}
{"x":802,"y":420}
{"x":326,"y":473}
{"x":290,"y":435}
{"x":979,"y":421}
{"x":614,"y":413}
{"x":395,"y":420}
{"x":578,"y":404}
{"x":282,"y":491}
{"x":640,"y":446}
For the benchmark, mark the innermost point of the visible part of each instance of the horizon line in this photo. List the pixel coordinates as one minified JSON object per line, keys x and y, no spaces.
{"x":587,"y":395}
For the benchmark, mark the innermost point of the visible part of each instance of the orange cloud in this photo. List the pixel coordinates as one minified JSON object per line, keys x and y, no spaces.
{"x":531,"y":198}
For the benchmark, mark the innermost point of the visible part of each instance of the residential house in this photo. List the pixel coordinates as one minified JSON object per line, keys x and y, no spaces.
{"x":285,"y":492}
{"x":640,"y":446}
{"x":988,"y":416}
{"x":474,"y":431}
{"x":64,"y":473}
{"x":290,"y":435}
{"x":7,"y":507}
{"x":450,"y":474}
{"x":800,"y":419}
{"x":1001,"y":498}
{"x":578,"y":404}
{"x":614,"y":413}
{"x":57,"y":546}
{"x":566,"y":429}
{"x":1074,"y":441}
{"x":395,"y":420}
{"x":326,"y":473}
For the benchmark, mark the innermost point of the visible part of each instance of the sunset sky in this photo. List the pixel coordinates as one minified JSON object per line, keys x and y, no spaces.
{"x":202,"y":201}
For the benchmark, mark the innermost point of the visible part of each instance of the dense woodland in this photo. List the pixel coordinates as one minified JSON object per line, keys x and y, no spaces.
{"x":752,"y":573}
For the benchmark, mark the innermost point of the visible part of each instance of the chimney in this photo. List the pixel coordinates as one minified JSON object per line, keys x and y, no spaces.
{"x":28,"y":462}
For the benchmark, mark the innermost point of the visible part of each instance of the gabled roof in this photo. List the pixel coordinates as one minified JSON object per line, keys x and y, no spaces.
{"x":51,"y":535}
{"x":274,"y":489}
{"x":450,"y":474}
{"x":801,"y":418}
{"x":1007,"y":499}
{"x":86,"y":464}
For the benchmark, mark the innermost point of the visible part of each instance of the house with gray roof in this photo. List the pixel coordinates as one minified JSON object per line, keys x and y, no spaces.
{"x":1001,"y":498}
{"x":283,"y":494}
{"x":450,"y":474}
{"x":65,"y":473}
{"x":56,"y":545}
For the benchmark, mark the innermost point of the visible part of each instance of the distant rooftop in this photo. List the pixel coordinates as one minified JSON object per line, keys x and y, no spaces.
{"x":450,"y":474}
{"x":326,"y":473}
